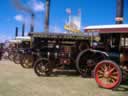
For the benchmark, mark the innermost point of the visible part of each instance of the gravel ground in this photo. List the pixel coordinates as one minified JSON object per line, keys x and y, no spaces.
{"x":16,"y":81}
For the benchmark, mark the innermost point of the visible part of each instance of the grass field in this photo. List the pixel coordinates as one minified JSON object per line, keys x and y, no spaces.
{"x":16,"y":81}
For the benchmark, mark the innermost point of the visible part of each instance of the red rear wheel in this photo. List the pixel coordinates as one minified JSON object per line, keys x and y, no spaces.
{"x":108,"y":74}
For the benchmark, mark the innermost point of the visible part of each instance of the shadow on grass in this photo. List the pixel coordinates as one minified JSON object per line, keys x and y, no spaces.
{"x":123,"y":87}
{"x":66,"y":73}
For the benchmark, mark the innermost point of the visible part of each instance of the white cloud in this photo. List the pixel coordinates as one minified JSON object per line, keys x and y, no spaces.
{"x":38,"y":6}
{"x":56,"y":29}
{"x":19,"y":18}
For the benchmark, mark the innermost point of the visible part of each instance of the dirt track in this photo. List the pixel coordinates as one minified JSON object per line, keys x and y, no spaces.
{"x":16,"y":81}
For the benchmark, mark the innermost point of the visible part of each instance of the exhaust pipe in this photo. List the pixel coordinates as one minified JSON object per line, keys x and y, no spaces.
{"x":119,"y":11}
{"x":16,"y":32}
{"x":119,"y":20}
{"x":32,"y":23}
{"x":23,"y":29}
{"x":47,"y":13}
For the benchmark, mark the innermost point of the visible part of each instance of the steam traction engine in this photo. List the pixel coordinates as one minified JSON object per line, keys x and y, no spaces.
{"x":23,"y":55}
{"x":105,"y":59}
{"x":114,"y":39}
{"x":13,"y":45}
{"x":63,"y":51}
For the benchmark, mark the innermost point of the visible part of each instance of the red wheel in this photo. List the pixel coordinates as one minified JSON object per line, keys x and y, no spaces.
{"x":108,"y":74}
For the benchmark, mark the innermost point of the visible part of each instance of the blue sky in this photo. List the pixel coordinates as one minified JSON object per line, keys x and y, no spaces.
{"x":94,"y":12}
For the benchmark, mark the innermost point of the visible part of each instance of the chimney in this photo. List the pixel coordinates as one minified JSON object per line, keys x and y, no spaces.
{"x":32,"y":23}
{"x":47,"y":13}
{"x":119,"y":11}
{"x":23,"y":29}
{"x":16,"y":32}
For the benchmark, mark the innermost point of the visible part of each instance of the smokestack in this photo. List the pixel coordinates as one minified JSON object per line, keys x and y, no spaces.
{"x":119,"y":20}
{"x":23,"y":29}
{"x":16,"y":32}
{"x":47,"y":13}
{"x":119,"y":11}
{"x":32,"y":23}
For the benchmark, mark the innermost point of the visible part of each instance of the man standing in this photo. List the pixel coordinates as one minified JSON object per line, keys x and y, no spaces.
{"x":1,"y":50}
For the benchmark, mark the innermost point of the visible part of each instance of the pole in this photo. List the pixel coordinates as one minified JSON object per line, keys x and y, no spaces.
{"x":119,"y":20}
{"x":23,"y":29}
{"x":47,"y":13}
{"x":32,"y":23}
{"x":16,"y":32}
{"x":119,"y":11}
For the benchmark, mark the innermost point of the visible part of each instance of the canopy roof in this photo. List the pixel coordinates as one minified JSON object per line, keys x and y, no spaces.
{"x":62,"y":36}
{"x":23,"y":38}
{"x":116,"y":28}
{"x":15,"y":41}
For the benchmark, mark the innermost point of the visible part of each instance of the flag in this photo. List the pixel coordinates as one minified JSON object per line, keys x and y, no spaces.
{"x":75,"y":21}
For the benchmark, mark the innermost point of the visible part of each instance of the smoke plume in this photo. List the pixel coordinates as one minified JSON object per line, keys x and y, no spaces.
{"x":22,"y":7}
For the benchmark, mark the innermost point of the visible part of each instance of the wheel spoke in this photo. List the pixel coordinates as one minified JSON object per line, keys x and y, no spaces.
{"x":40,"y":71}
{"x":102,"y":68}
{"x":100,"y":76}
{"x":100,"y":72}
{"x":112,"y":69}
{"x":109,"y":66}
{"x":106,"y":67}
{"x":114,"y":73}
{"x":104,"y":80}
{"x":112,"y":80}
{"x":113,"y":77}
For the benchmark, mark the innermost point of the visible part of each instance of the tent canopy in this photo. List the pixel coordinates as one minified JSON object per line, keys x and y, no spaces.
{"x":116,"y":28}
{"x":15,"y":41}
{"x":27,"y":38}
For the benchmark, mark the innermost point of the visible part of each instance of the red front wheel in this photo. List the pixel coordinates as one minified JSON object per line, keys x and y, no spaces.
{"x":108,"y":74}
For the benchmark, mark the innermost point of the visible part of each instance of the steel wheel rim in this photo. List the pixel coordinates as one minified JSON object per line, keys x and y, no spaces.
{"x":11,"y":56}
{"x":107,"y":75}
{"x":41,"y":68}
{"x":28,"y":61}
{"x":85,"y":58}
{"x":83,"y":62}
{"x":17,"y":59}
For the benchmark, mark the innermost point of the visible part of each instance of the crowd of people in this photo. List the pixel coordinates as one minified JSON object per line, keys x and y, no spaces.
{"x":5,"y":49}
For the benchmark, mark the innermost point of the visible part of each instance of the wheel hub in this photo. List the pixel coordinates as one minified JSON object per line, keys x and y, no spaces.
{"x":43,"y":68}
{"x":90,"y":63}
{"x":106,"y":74}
